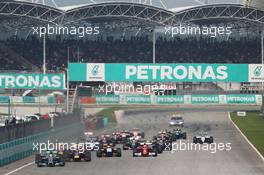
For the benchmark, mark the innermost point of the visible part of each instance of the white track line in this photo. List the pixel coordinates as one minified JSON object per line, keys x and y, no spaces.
{"x":260,"y":155}
{"x":20,"y":168}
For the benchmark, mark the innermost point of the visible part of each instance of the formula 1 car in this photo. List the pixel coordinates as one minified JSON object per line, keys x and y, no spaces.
{"x":176,"y":120}
{"x":177,"y":134}
{"x":137,"y":132}
{"x":106,"y":139}
{"x":145,"y":150}
{"x":92,"y":143}
{"x":77,"y":155}
{"x":49,"y":158}
{"x":164,"y":135}
{"x":163,"y":132}
{"x":121,"y":137}
{"x":108,"y":150}
{"x":203,"y":137}
{"x":162,"y":144}
{"x":77,"y":152}
{"x":131,"y":143}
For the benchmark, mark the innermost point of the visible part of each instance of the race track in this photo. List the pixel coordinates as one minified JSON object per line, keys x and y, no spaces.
{"x":241,"y":159}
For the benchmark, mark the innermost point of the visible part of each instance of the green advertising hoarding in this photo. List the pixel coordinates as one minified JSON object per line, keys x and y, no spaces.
{"x":241,"y":98}
{"x":170,"y":99}
{"x":32,"y":81}
{"x":101,"y":99}
{"x":204,"y":99}
{"x":166,"y":72}
{"x":138,"y":99}
{"x":4,"y":99}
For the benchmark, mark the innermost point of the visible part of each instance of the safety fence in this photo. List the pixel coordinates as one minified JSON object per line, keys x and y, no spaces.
{"x":224,"y":99}
{"x":16,"y":131}
{"x":24,"y":147}
{"x":31,"y":100}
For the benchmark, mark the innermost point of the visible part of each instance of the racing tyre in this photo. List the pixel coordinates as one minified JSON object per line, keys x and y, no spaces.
{"x":39,"y":164}
{"x":195,"y":140}
{"x":156,"y":153}
{"x":118,"y":152}
{"x":184,"y":135}
{"x":160,"y":150}
{"x":37,"y":158}
{"x":211,"y":140}
{"x":134,"y":153}
{"x":66,"y":156}
{"x":124,"y":148}
{"x":87,"y":156}
{"x":62,"y":162}
{"x":99,"y":153}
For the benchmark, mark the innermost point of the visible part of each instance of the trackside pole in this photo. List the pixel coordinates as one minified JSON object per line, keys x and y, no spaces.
{"x":39,"y":100}
{"x":262,"y":62}
{"x":44,"y":54}
{"x":67,"y":98}
{"x":154,"y":46}
{"x":67,"y":75}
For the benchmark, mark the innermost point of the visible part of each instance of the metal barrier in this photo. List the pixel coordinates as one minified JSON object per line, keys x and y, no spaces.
{"x":23,"y":147}
{"x":221,"y":99}
{"x":16,"y":131}
{"x":21,"y":137}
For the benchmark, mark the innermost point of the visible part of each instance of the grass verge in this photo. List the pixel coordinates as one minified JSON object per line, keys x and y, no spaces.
{"x":253,"y":127}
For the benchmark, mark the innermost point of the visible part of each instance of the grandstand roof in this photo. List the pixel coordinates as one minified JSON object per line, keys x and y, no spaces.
{"x":35,"y":13}
{"x":168,"y":4}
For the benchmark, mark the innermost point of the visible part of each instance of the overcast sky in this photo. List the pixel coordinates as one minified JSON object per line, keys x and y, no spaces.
{"x":169,"y":3}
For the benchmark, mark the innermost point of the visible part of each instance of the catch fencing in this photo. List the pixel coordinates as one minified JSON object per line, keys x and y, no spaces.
{"x":22,"y":137}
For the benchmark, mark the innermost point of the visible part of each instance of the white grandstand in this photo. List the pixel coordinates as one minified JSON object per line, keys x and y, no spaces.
{"x":167,"y":4}
{"x":172,"y":5}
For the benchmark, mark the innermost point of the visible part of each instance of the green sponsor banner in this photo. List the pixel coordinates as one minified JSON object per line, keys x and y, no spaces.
{"x":29,"y":99}
{"x":32,"y":81}
{"x":203,"y":99}
{"x":164,"y":72}
{"x":138,"y":99}
{"x":107,"y":99}
{"x":77,"y":72}
{"x":51,"y":99}
{"x":241,"y":98}
{"x":4,"y":99}
{"x":171,"y":99}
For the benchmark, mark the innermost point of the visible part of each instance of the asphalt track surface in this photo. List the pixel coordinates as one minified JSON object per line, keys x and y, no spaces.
{"x":241,"y":159}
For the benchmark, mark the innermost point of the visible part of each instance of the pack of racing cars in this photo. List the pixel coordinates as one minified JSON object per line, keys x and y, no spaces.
{"x":105,"y":145}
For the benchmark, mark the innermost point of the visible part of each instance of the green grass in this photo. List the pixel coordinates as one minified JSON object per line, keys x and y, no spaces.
{"x":253,"y":127}
{"x":109,"y":112}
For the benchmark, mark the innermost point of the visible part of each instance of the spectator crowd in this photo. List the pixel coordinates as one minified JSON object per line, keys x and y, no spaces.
{"x":132,"y":50}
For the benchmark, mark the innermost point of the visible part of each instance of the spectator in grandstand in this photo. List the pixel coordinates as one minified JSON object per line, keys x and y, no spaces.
{"x":133,"y":49}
